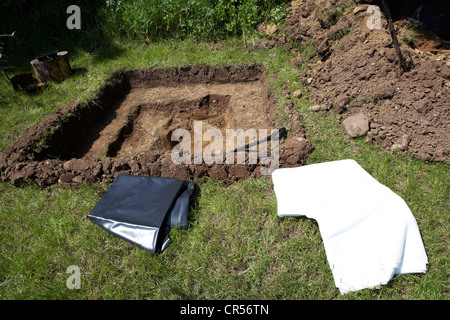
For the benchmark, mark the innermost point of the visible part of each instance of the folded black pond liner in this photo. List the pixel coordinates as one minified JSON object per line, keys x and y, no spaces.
{"x":142,"y":209}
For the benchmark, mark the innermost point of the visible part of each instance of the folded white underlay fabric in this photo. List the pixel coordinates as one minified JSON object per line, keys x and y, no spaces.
{"x":368,"y":231}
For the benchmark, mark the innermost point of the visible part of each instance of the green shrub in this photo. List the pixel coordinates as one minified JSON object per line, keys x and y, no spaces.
{"x":180,"y":19}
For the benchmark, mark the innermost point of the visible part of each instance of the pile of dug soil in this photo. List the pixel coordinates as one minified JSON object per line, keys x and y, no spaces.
{"x":354,"y":69}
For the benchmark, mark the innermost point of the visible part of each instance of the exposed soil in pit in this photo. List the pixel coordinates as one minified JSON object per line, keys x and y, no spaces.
{"x":127,"y":127}
{"x":140,"y":126}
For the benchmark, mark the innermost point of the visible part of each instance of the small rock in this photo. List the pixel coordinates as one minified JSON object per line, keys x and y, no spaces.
{"x":424,"y":106}
{"x":428,"y":83}
{"x":297,"y":94}
{"x":78,"y":179}
{"x":315,"y":108}
{"x":268,"y":29}
{"x":68,"y":165}
{"x":401,"y":144}
{"x":356,"y":125}
{"x":358,"y":10}
{"x":384,"y":91}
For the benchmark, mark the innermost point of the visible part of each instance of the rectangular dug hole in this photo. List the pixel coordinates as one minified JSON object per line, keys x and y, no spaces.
{"x":137,"y":111}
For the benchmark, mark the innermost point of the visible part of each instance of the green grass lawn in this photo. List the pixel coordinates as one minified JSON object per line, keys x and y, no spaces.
{"x":236,"y":247}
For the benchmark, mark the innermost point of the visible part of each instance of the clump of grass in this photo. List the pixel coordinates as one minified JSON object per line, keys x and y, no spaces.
{"x":410,"y":34}
{"x":359,"y":101}
{"x":340,"y":34}
{"x":309,"y":51}
{"x":334,"y":15}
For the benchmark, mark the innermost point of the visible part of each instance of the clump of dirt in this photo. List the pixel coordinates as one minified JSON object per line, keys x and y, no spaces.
{"x":354,"y":69}
{"x":127,"y":127}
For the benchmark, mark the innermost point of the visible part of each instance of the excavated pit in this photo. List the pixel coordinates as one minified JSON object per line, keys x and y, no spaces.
{"x":128,"y":127}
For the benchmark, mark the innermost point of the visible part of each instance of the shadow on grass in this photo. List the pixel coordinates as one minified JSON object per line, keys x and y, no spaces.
{"x":79,"y":72}
{"x":109,"y":53}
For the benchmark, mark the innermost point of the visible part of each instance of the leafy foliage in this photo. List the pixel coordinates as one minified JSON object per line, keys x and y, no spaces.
{"x":199,"y":19}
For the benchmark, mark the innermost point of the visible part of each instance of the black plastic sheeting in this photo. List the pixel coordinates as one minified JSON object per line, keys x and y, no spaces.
{"x":142,"y":209}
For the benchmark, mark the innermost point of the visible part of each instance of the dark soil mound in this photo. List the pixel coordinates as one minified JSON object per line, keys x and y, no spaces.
{"x":354,"y":69}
